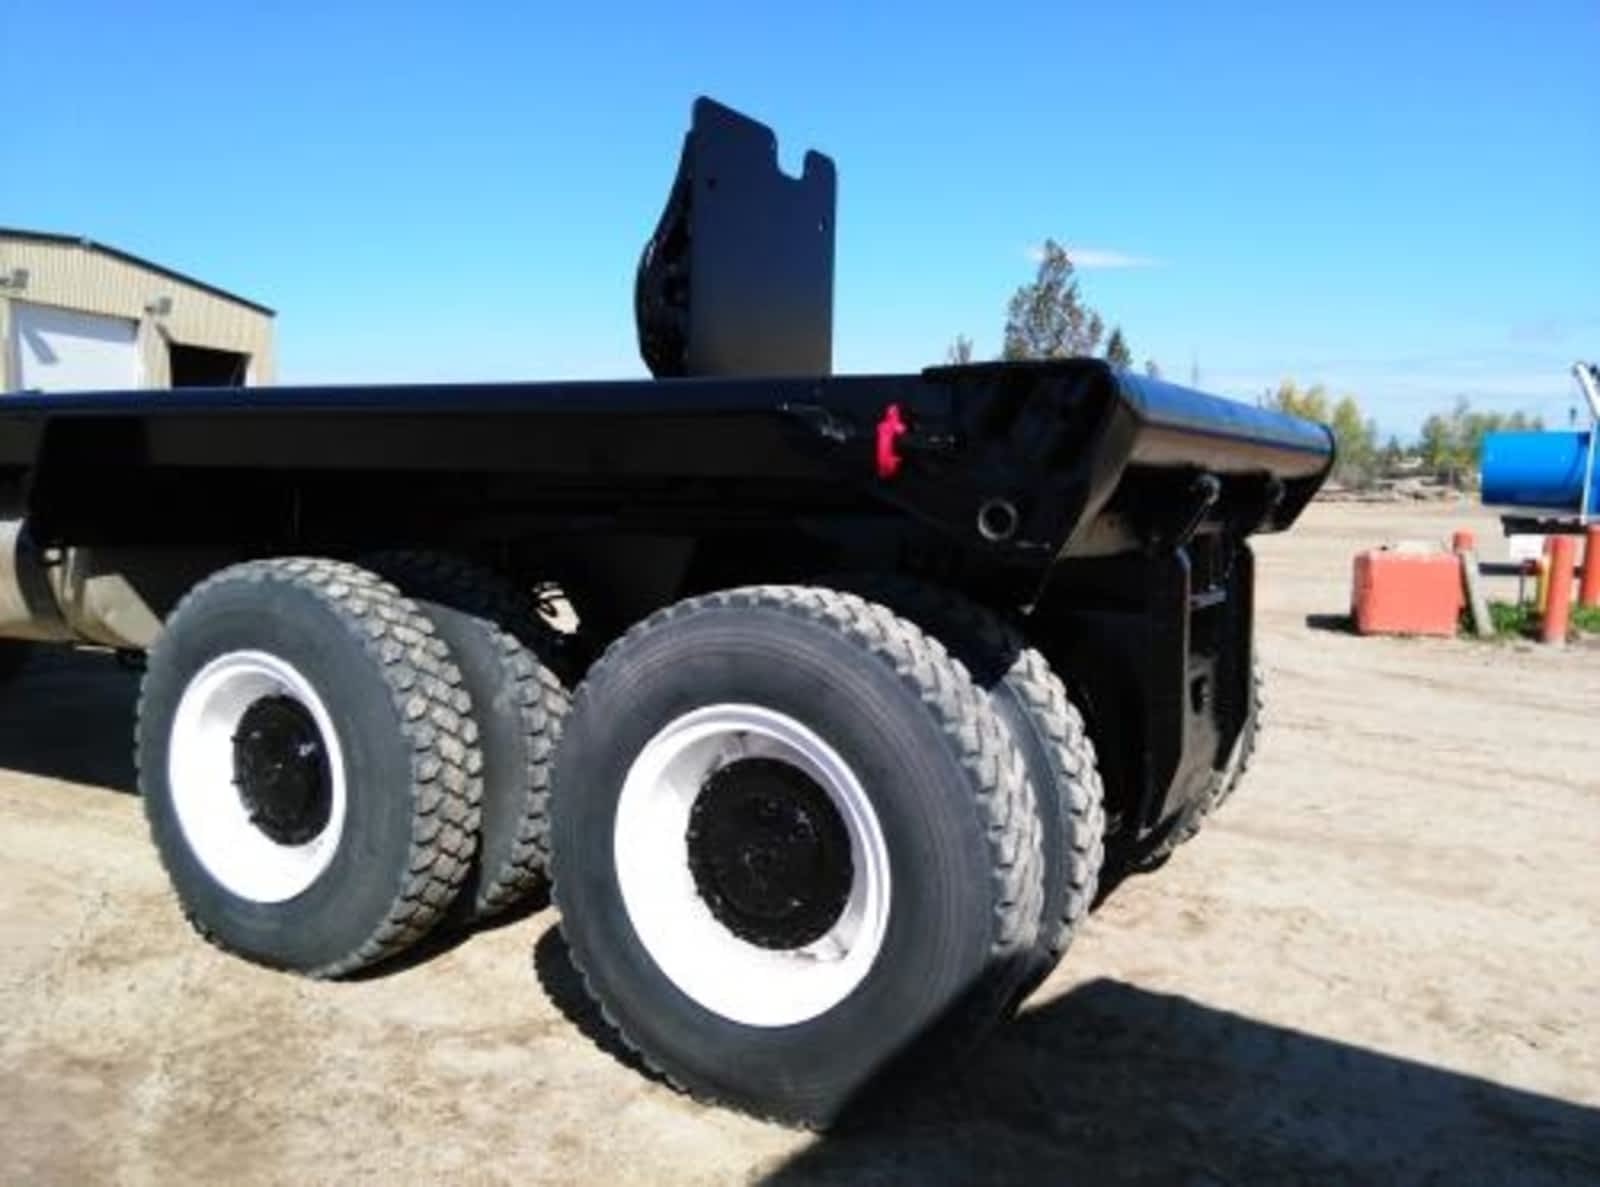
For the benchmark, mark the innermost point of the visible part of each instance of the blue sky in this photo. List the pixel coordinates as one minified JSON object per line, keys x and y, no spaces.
{"x":1401,"y":200}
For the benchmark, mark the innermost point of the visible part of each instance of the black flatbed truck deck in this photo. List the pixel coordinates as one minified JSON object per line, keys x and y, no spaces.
{"x":1072,"y":446}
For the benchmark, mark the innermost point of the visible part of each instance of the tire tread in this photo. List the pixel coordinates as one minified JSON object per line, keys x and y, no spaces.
{"x":524,"y":643}
{"x":996,"y":652}
{"x":436,"y":718}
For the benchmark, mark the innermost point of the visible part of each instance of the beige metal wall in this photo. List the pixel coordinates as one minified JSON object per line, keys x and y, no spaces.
{"x":77,"y":277}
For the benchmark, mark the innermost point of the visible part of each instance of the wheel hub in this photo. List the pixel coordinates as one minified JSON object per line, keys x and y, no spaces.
{"x":769,"y":853}
{"x":281,"y":770}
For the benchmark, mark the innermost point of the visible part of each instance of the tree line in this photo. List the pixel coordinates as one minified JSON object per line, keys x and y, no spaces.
{"x":1447,"y":448}
{"x":1049,"y":319}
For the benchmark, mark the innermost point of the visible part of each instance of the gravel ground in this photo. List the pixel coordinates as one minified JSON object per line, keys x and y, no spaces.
{"x":1381,"y":963}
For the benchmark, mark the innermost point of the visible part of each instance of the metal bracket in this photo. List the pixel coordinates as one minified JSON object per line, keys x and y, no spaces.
{"x":738,"y":277}
{"x":1204,"y":491}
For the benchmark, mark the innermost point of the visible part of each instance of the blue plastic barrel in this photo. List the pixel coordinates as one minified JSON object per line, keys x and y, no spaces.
{"x":1538,"y":470}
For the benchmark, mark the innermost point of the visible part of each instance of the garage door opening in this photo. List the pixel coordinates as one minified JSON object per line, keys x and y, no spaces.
{"x":65,"y":350}
{"x":200,"y":366}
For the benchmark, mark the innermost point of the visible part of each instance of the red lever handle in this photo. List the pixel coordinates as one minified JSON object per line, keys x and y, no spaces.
{"x":891,"y":427}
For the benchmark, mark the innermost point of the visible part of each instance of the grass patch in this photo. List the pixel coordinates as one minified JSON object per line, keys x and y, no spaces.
{"x":1519,"y":620}
{"x":1513,"y":619}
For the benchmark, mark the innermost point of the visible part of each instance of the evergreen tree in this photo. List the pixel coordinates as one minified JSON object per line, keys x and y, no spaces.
{"x":1048,"y":319}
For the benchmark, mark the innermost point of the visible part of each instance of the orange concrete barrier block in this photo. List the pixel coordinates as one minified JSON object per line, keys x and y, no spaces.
{"x":1399,"y":592}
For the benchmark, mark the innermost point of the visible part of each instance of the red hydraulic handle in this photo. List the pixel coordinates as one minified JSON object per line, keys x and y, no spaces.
{"x":891,"y":427}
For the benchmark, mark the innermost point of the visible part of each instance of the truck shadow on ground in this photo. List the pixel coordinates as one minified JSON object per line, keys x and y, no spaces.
{"x":563,"y":985}
{"x":1112,"y":1083}
{"x":69,"y":715}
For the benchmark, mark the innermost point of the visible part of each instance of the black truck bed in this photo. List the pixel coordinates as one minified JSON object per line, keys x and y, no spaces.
{"x":1091,"y":459}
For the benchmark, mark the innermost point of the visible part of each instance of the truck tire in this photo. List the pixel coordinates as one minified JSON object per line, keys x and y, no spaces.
{"x":309,"y":765}
{"x":1049,"y":731}
{"x":793,"y":847}
{"x":498,"y":640}
{"x":1224,"y":782}
{"x":1245,"y":748}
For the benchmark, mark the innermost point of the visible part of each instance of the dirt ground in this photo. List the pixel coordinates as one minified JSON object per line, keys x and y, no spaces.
{"x":1381,"y":963}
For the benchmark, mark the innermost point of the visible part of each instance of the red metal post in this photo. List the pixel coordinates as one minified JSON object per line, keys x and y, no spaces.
{"x":1589,"y":592}
{"x":1558,"y":613}
{"x":1463,"y":541}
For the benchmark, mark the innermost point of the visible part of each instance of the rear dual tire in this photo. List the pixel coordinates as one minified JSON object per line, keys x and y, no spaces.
{"x":1225,"y":780}
{"x":505,"y":654}
{"x":717,"y":763}
{"x":309,"y":765}
{"x":1050,"y":733}
{"x":1244,"y":748}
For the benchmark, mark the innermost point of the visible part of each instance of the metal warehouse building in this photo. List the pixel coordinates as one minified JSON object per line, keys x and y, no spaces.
{"x":76,"y":315}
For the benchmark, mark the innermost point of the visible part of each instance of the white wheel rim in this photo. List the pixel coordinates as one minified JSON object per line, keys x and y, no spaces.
{"x":726,"y":974}
{"x":200,"y":772}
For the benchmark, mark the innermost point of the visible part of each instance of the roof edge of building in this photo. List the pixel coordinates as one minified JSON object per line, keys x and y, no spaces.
{"x":128,"y":257}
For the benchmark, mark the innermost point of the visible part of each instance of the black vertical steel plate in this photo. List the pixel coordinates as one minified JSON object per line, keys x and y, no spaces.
{"x":761,"y":252}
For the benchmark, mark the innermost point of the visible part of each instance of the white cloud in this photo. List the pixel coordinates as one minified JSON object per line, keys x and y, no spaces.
{"x":1088,"y":258}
